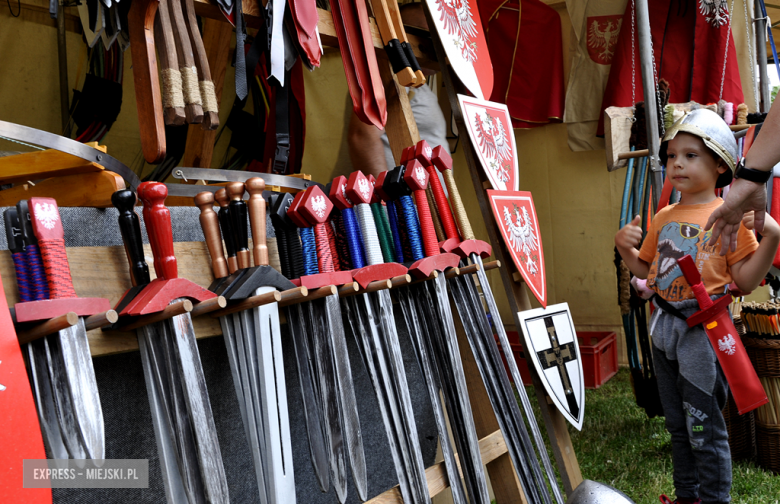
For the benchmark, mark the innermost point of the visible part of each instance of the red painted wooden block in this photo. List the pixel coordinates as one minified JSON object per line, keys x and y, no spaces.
{"x":159,"y":294}
{"x":423,"y":152}
{"x":379,"y":184}
{"x":468,"y":247}
{"x":293,"y":212}
{"x":314,"y":206}
{"x":338,"y":193}
{"x":371,"y":273}
{"x":323,"y":279}
{"x":36,"y":311}
{"x":359,"y":189}
{"x":427,"y":265}
{"x":415,"y":176}
{"x":375,"y":197}
{"x":441,"y":159}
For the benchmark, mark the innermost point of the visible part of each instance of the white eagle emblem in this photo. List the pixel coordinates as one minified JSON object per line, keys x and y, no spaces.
{"x":344,"y":193}
{"x":727,"y":344}
{"x":319,"y":205}
{"x":458,"y":21}
{"x":495,"y":145}
{"x":363,"y":188}
{"x":419,"y":173}
{"x":46,"y":214}
{"x":604,"y":40}
{"x":716,"y":12}
{"x":522,"y":237}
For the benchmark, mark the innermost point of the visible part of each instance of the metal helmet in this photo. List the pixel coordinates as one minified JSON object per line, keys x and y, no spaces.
{"x":708,"y":126}
{"x":593,"y":492}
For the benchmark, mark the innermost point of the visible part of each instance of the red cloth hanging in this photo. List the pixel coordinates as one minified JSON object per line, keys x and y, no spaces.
{"x":527,"y":59}
{"x":689,"y":52}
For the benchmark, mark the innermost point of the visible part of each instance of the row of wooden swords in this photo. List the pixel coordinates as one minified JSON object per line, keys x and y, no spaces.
{"x":361,"y":234}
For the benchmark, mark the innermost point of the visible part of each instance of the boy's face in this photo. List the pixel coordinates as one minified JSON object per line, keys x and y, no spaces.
{"x":691,"y":168}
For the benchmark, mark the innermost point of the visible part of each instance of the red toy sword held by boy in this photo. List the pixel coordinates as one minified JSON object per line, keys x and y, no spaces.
{"x":714,"y":316}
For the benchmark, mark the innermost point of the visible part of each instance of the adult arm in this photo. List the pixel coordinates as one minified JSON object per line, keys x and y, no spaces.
{"x":745,"y":195}
{"x":365,"y":147}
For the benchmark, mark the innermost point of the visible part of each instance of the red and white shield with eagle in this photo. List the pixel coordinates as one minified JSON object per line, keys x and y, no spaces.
{"x":516,"y":217}
{"x":603,"y":34}
{"x":460,"y":32}
{"x":490,"y":129}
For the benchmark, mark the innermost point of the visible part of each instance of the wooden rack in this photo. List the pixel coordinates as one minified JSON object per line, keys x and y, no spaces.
{"x":103,"y":271}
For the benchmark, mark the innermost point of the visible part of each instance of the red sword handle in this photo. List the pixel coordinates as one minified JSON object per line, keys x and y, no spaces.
{"x":422,"y":153}
{"x":158,"y":227}
{"x":417,"y":179}
{"x":47,"y":227}
{"x":692,"y":275}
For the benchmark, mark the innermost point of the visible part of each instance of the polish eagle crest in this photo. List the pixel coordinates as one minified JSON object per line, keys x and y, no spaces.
{"x":603,"y":41}
{"x":319,"y":205}
{"x":46,"y":214}
{"x":458,"y":21}
{"x":344,"y":192}
{"x":522,"y":237}
{"x":363,"y":188}
{"x":419,"y":173}
{"x":716,"y":12}
{"x":495,"y":145}
{"x":727,"y":344}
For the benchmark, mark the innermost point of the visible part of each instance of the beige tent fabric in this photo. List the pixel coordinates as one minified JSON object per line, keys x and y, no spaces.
{"x":595,"y":25}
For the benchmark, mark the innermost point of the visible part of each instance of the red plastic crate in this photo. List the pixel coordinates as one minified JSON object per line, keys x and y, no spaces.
{"x":597,"y":349}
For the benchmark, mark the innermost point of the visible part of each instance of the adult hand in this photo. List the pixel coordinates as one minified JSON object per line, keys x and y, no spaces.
{"x":743,"y":196}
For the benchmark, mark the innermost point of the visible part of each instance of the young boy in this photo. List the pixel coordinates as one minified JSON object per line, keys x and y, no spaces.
{"x":700,"y":153}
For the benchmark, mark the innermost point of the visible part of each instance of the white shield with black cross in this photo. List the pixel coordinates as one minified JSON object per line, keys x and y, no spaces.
{"x":551,"y":340}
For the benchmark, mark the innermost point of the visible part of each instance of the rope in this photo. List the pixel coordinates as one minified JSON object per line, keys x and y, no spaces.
{"x":435,"y":221}
{"x":393,"y":224}
{"x":457,"y":206}
{"x":294,"y":253}
{"x":309,"y":247}
{"x":441,"y":202}
{"x":742,"y":113}
{"x":412,"y":228}
{"x":383,"y":231}
{"x":35,"y":273}
{"x":22,"y":278}
{"x":370,"y":239}
{"x":189,"y":80}
{"x":173,"y":95}
{"x":426,"y":224}
{"x":209,"y":96}
{"x":332,"y":245}
{"x":354,"y":238}
{"x":55,"y":263}
{"x":284,"y":257}
{"x":324,"y":259}
{"x":403,"y":227}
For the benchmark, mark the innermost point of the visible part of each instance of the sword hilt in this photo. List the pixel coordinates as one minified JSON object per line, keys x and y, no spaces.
{"x":423,"y":154}
{"x":291,"y":256}
{"x":416,"y":178}
{"x":13,"y":234}
{"x":158,"y":228}
{"x":338,"y":195}
{"x":360,"y":191}
{"x":442,"y":160}
{"x":227,"y":229}
{"x":308,"y":240}
{"x":692,"y":275}
{"x":39,"y":286}
{"x":382,"y":224}
{"x":130,"y":228}
{"x":238,"y":218}
{"x":47,"y":226}
{"x":408,"y":224}
{"x":209,"y":222}
{"x":257,"y":209}
{"x":392,"y":216}
{"x":315,"y":208}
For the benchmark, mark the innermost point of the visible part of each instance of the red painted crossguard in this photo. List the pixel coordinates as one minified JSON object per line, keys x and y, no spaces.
{"x":743,"y":381}
{"x":47,"y":227}
{"x":167,"y":286}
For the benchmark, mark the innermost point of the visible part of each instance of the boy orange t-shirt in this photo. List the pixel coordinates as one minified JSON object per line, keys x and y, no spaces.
{"x":678,"y":230}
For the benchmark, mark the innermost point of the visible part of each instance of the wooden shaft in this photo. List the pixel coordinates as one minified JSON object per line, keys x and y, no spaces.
{"x":49,"y":327}
{"x":193,"y":108}
{"x":206,"y":85}
{"x":465,"y":270}
{"x":249,"y":303}
{"x":389,"y":37}
{"x":401,"y":280}
{"x":375,"y":286}
{"x":170,"y":311}
{"x":169,"y":67}
{"x":208,"y":306}
{"x":348,"y":289}
{"x":209,"y":222}
{"x":294,"y":294}
{"x":452,"y":272}
{"x":255,"y":187}
{"x":492,"y":265}
{"x":328,"y":290}
{"x":101,"y":320}
{"x":398,"y":24}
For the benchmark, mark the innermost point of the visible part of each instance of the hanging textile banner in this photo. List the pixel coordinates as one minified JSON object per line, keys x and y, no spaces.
{"x":490,"y":130}
{"x":460,"y":32}
{"x":551,"y":341}
{"x":516,"y":217}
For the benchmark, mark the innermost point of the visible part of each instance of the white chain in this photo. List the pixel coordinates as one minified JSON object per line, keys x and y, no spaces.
{"x":726,"y":53}
{"x":633,"y":56}
{"x":750,"y":55}
{"x":657,"y":88}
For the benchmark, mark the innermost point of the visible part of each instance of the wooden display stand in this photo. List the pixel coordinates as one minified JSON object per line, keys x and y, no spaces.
{"x":103,"y":271}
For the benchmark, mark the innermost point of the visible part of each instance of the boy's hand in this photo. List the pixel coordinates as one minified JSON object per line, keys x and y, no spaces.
{"x":771,"y":227}
{"x":630,"y":236}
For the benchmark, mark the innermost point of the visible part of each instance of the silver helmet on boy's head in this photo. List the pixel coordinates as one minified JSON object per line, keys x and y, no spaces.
{"x":593,"y":492}
{"x":715,"y":134}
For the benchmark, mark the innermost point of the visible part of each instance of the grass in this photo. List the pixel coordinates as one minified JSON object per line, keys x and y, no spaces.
{"x":621,"y":447}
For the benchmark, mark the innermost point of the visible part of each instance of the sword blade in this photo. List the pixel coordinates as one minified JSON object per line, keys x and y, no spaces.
{"x":44,"y":399}
{"x":62,"y":405}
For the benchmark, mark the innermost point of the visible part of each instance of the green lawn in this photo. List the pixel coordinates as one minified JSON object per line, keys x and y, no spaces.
{"x":620,"y":446}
